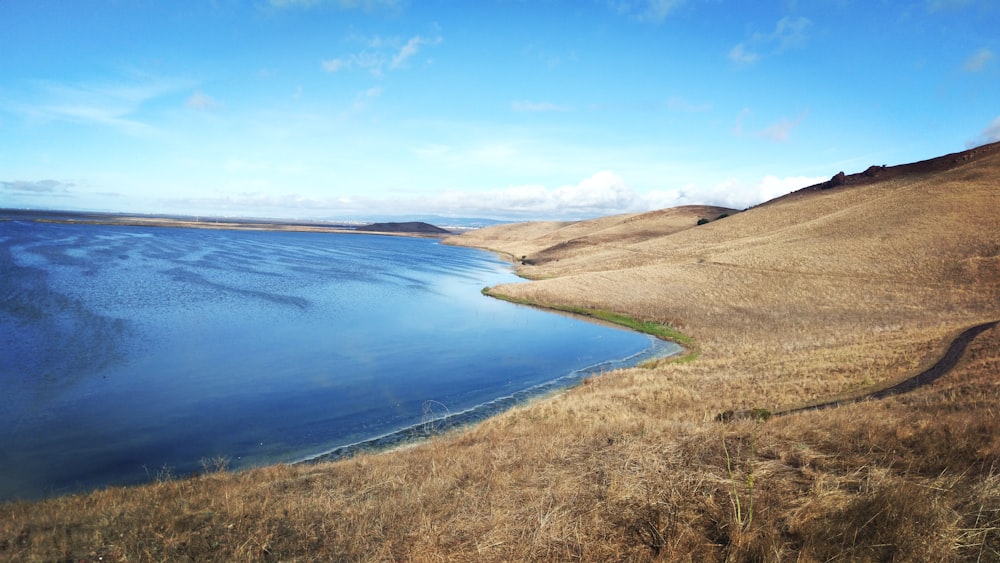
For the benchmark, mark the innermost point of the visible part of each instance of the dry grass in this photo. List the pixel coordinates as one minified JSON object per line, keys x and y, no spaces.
{"x":813,"y":296}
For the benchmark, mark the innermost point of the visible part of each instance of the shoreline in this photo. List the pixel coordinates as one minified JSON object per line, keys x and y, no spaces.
{"x":227,"y":224}
{"x":418,"y":434}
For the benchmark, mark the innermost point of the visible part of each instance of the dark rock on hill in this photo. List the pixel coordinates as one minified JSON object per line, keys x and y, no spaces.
{"x":879,"y":173}
{"x":413,"y":227}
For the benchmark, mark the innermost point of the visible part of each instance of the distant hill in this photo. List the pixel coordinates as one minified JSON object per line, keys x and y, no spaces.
{"x":440,"y":220}
{"x":412,"y":227}
{"x":541,"y":242}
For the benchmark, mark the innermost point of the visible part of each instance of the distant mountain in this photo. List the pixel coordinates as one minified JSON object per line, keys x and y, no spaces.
{"x":415,"y":227}
{"x":458,"y":222}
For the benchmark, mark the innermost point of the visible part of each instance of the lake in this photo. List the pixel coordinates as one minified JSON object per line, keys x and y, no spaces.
{"x":130,"y":352}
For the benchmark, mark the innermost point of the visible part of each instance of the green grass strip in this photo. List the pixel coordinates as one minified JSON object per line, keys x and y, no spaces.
{"x":654,"y":328}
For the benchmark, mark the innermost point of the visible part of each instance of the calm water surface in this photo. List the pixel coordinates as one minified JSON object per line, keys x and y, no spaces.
{"x":125,"y":350}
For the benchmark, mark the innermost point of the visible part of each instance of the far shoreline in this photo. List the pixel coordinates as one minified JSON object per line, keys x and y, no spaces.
{"x":192,"y":222}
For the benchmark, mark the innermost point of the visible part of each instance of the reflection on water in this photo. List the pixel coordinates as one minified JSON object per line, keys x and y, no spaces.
{"x":126,"y":350}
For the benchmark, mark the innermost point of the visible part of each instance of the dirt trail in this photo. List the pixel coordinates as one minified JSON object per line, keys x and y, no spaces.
{"x":944,"y":364}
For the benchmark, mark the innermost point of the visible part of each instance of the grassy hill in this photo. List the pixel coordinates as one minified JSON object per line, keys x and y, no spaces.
{"x":829,"y":292}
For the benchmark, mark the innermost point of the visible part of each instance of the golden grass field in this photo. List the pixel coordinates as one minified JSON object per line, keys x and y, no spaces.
{"x":815,"y":295}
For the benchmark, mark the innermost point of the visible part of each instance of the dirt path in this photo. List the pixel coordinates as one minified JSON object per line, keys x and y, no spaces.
{"x":944,"y":364}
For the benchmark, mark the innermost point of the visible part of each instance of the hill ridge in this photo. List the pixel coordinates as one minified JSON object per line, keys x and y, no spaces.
{"x":881,"y":173}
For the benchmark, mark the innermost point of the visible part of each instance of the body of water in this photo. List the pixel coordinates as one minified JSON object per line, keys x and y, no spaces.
{"x":128,"y":352}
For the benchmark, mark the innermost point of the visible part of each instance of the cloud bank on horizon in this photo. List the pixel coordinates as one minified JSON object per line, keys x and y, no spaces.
{"x":512,"y":110}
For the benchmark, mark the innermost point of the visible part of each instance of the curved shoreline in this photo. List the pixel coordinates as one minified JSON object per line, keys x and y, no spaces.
{"x":435,"y":425}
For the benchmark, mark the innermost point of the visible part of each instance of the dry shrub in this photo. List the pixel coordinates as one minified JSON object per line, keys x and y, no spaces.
{"x":979,"y":537}
{"x":895,"y":520}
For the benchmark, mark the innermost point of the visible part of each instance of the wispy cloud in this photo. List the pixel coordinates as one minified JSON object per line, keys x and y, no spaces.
{"x":990,"y":134}
{"x":36,"y":187}
{"x":740,"y":195}
{"x":293,"y":3}
{"x":606,"y":193}
{"x":547,"y":57}
{"x":780,"y":131}
{"x":740,"y":119}
{"x":201,"y":101}
{"x":789,"y":33}
{"x":938,"y":5}
{"x":649,"y":11}
{"x":380,"y":54}
{"x":600,"y":194}
{"x":978,"y":60}
{"x":115,"y":105}
{"x":366,"y":5}
{"x":363,"y":99}
{"x":373,"y":62}
{"x":411,"y":48}
{"x":742,"y":55}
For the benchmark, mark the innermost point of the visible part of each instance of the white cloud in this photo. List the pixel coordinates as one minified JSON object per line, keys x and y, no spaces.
{"x":36,"y":187}
{"x":333,"y":65}
{"x":603,"y":193}
{"x":115,"y":105}
{"x":780,"y":131}
{"x":293,"y":3}
{"x":740,"y":195}
{"x":991,"y":134}
{"x":202,"y":101}
{"x":411,"y":48}
{"x":366,"y":5}
{"x":938,"y":5}
{"x":771,"y":187}
{"x":651,"y":11}
{"x":379,"y":55}
{"x":740,"y":118}
{"x":978,"y":60}
{"x":364,"y":98}
{"x":789,"y":33}
{"x":740,"y":54}
{"x":373,"y":62}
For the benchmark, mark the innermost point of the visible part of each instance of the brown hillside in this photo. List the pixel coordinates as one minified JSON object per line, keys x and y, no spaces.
{"x":547,"y":242}
{"x":925,"y":233}
{"x":823,"y":295}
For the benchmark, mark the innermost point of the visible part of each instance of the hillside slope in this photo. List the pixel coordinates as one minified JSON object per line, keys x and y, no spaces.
{"x":540,"y":242}
{"x":922,"y":249}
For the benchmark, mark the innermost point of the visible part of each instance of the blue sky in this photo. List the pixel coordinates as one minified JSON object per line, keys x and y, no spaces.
{"x":505,"y":109}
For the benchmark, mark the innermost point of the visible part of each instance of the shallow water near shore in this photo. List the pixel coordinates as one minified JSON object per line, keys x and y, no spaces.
{"x":130,"y":352}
